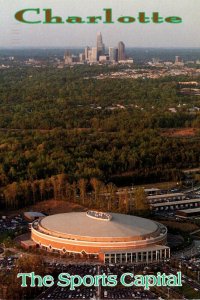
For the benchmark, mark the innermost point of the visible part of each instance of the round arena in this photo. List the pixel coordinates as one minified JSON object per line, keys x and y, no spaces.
{"x":109,"y":237}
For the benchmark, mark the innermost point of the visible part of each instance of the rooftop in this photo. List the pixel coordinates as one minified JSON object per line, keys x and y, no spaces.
{"x":190,"y":210}
{"x":79,"y":224}
{"x":178,"y":202}
{"x":33,"y":214}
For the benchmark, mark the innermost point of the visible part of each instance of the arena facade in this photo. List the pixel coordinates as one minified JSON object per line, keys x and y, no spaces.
{"x":110,"y":237}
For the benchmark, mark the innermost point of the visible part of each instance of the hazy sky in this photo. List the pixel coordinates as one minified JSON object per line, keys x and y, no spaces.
{"x":186,"y":34}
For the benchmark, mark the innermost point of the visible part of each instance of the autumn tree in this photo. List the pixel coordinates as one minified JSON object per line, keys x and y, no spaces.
{"x":10,"y":194}
{"x":61,"y":182}
{"x":111,"y":192}
{"x":82,"y":184}
{"x":96,"y":185}
{"x":141,"y":206}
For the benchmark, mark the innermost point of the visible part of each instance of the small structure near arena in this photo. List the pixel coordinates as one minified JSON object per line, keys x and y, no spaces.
{"x":33,"y":215}
{"x":188,"y":213}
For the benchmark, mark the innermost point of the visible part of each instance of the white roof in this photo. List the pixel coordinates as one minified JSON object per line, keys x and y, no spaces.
{"x":79,"y":224}
{"x":178,"y":202}
{"x":174,"y":195}
{"x":33,"y":214}
{"x":152,"y":190}
{"x":190,"y":210}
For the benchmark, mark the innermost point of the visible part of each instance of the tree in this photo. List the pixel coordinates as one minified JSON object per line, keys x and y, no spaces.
{"x":61,"y":181}
{"x":74,"y":191}
{"x":34,"y":187}
{"x":55,"y":186}
{"x":10,"y":194}
{"x":111,"y":191}
{"x":42,"y":186}
{"x":96,"y":185}
{"x":25,"y":264}
{"x":141,"y":205}
{"x":82,"y":184}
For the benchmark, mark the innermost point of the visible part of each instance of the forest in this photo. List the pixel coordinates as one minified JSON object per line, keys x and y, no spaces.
{"x":63,"y":123}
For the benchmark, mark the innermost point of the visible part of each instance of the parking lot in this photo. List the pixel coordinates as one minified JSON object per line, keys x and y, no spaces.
{"x":8,"y":224}
{"x":82,"y":292}
{"x":118,"y":292}
{"x":127,"y":293}
{"x":8,"y":263}
{"x":64,"y":293}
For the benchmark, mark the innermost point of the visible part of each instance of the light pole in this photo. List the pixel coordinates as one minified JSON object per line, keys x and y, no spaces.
{"x":99,"y":286}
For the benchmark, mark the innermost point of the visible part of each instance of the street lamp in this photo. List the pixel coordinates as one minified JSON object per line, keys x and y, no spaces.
{"x":168,"y":289}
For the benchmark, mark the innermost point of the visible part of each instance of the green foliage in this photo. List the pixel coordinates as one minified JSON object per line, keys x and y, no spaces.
{"x":8,"y":242}
{"x":67,"y":122}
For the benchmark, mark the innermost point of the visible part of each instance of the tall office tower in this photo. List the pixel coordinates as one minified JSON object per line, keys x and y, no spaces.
{"x":82,"y":57}
{"x":100,"y":45}
{"x":178,"y":59}
{"x":90,"y":55}
{"x":121,"y":51}
{"x":94,"y":54}
{"x":113,"y":54}
{"x":68,"y":58}
{"x":87,"y":49}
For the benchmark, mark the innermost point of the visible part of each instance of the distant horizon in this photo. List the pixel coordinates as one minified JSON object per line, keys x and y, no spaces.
{"x":83,"y":47}
{"x":15,"y":34}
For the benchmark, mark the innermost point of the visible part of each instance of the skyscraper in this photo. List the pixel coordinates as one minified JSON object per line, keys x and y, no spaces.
{"x":113,"y":54}
{"x":178,"y":59}
{"x":68,"y":58}
{"x":87,"y":49}
{"x":82,"y":57}
{"x":121,"y":51}
{"x":100,"y":45}
{"x":94,"y":54}
{"x":90,"y":55}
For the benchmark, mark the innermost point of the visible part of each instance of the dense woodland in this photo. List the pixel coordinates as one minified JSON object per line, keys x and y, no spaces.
{"x":61,"y":126}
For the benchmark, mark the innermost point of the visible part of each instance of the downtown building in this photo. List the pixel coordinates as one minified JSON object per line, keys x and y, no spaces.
{"x":113,"y":54}
{"x":121,"y":52}
{"x":95,"y":55}
{"x":100,"y":45}
{"x":98,"y":53}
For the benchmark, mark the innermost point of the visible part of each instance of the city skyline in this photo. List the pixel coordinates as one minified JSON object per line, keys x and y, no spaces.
{"x":18,"y":35}
{"x":98,"y":54}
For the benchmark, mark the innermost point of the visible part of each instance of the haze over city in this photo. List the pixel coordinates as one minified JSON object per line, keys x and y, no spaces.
{"x":15,"y":34}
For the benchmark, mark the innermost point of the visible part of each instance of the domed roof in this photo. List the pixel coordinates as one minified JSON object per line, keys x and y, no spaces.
{"x":94,"y":226}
